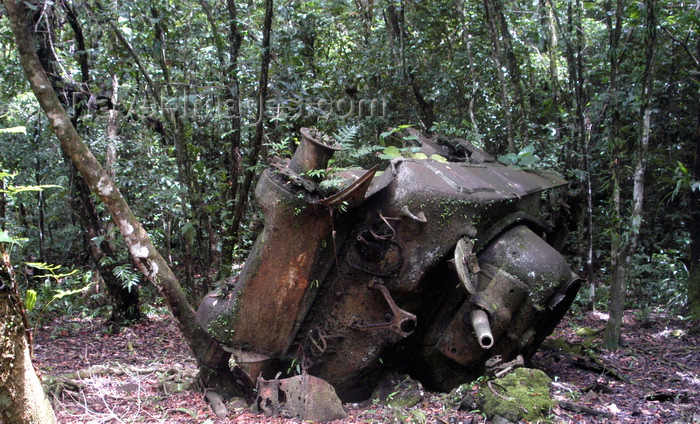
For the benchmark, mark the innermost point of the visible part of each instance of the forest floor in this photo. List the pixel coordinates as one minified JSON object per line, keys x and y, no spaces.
{"x":659,"y":365}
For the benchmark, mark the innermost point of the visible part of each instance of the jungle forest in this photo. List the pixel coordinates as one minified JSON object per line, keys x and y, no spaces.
{"x":133,"y":136}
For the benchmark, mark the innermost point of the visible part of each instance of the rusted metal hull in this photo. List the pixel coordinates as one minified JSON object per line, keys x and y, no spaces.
{"x":385,"y":283}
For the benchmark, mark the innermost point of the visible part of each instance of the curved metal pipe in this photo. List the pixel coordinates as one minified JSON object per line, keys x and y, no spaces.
{"x":312,"y":152}
{"x":482,"y":328}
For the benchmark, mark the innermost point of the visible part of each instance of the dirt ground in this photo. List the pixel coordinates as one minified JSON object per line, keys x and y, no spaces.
{"x":658,"y":370}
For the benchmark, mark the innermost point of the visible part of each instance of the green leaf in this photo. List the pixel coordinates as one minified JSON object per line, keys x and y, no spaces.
{"x":189,"y":231}
{"x":60,"y":294}
{"x":51,"y":269}
{"x":391,"y":152}
{"x":386,"y":134}
{"x":30,"y":300}
{"x":421,"y":156}
{"x":528,"y":160}
{"x":107,"y":261}
{"x":438,"y":158}
{"x":20,"y":189}
{"x":509,"y":159}
{"x":5,"y":237}
{"x":22,"y":130}
{"x":347,"y":135}
{"x":526,"y":151}
{"x":680,"y":167}
{"x":44,"y":266}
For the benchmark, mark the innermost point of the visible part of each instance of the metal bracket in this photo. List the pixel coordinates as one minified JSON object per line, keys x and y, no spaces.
{"x":418,"y":218}
{"x":467,"y":264}
{"x":402,"y":323}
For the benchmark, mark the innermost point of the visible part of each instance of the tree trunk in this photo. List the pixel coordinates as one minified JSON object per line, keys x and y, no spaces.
{"x":256,"y":142}
{"x":617,"y":281}
{"x":396,"y":25}
{"x":577,"y":153}
{"x":589,"y":270}
{"x":618,"y":288}
{"x":81,"y":52}
{"x":3,"y":205}
{"x":111,"y":150}
{"x":584,"y":131}
{"x":618,"y":277}
{"x":39,"y":196}
{"x":694,"y":276}
{"x":521,"y":100}
{"x":124,"y":301}
{"x":366,"y":10}
{"x":552,"y":50}
{"x":426,"y":107}
{"x":22,"y":399}
{"x":497,"y":61}
{"x":473,"y":80}
{"x":176,"y":131}
{"x":234,"y":140}
{"x":182,"y":152}
{"x":212,"y":359}
{"x":222,"y":263}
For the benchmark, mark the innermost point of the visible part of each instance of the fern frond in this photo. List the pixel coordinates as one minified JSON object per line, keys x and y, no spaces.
{"x":347,"y":135}
{"x":365,"y":150}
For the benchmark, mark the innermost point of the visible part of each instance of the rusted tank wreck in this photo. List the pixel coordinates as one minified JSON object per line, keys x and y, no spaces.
{"x":429,"y":268}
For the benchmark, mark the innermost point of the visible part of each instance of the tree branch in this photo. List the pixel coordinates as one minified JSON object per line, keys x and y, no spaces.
{"x":685,"y":47}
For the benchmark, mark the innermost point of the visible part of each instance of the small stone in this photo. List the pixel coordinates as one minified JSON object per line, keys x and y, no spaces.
{"x":499,"y":420}
{"x":128,"y":387}
{"x":306,"y":398}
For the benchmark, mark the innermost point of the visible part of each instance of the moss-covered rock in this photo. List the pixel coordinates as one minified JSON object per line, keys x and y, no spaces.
{"x":177,"y":380}
{"x":589,"y":332}
{"x":462,"y":397}
{"x":398,"y":391}
{"x":561,"y":345}
{"x":520,"y":395}
{"x":583,"y":348}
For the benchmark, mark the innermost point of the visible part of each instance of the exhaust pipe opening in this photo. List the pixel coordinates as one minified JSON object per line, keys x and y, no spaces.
{"x":482,"y":328}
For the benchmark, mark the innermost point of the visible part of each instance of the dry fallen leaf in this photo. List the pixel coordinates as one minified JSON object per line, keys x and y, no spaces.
{"x":614,"y":409}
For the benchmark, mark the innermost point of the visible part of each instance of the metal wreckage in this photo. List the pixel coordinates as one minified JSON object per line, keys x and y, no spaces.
{"x":429,"y":268}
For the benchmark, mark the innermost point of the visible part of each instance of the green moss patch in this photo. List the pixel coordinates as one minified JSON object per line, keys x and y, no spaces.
{"x":521,"y":395}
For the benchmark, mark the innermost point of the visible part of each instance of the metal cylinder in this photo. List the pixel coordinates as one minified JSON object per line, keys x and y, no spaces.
{"x":312,"y":152}
{"x":480,"y":322}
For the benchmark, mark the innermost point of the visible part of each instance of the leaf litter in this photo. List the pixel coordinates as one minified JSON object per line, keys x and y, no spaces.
{"x":121,"y":374}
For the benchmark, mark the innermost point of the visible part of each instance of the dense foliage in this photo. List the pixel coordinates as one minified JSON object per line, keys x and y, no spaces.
{"x":550,"y":84}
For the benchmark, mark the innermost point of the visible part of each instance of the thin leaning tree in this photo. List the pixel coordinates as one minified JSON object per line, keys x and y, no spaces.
{"x":211,"y":358}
